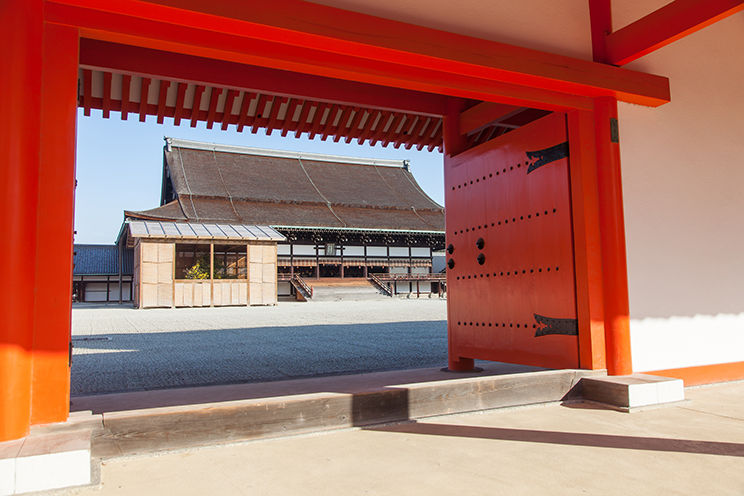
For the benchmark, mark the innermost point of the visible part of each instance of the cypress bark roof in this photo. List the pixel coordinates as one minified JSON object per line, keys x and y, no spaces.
{"x":225,"y":184}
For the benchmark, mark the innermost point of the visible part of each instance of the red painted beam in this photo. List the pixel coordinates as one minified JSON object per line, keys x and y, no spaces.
{"x":318,"y":119}
{"x":258,"y":117}
{"x":244,"y":109}
{"x":134,"y":60}
{"x":87,"y":90}
{"x":428,"y":128}
{"x":196,"y":104}
{"x":436,"y":141}
{"x":392,"y":129}
{"x":302,"y":119}
{"x":162,"y":99}
{"x":380,"y":129}
{"x":416,"y":131}
{"x":144,"y":91}
{"x":126,"y":83}
{"x":106,"y":106}
{"x":212,"y":112}
{"x":227,"y":109}
{"x":328,"y":126}
{"x":405,"y":131}
{"x":483,"y":115}
{"x":367,"y":126}
{"x":179,"y":109}
{"x":600,"y":15}
{"x":341,"y":128}
{"x":276,"y":105}
{"x":666,"y":25}
{"x":289,"y":122}
{"x":354,"y":126}
{"x":315,"y":40}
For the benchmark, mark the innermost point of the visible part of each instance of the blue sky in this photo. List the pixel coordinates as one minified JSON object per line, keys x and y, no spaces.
{"x":120,"y":163}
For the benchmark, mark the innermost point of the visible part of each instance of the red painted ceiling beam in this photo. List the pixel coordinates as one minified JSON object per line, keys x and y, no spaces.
{"x":180,"y":97}
{"x":125,"y":59}
{"x":106,"y":106}
{"x":341,"y":128}
{"x":213,"y":99}
{"x":258,"y":117}
{"x":198,"y":92}
{"x":289,"y":117}
{"x":314,"y":39}
{"x":484,"y":114}
{"x":302,"y":121}
{"x":144,"y":92}
{"x":227,"y":111}
{"x":87,"y":91}
{"x":276,"y":105}
{"x":162,"y":99}
{"x":354,"y":126}
{"x":664,"y":26}
{"x":244,"y":108}
{"x":126,"y":83}
{"x":368,"y":125}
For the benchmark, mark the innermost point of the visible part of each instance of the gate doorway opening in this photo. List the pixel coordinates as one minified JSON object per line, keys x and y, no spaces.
{"x":410,"y":74}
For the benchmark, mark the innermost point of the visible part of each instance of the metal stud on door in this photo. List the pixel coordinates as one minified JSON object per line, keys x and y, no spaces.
{"x":510,"y":275}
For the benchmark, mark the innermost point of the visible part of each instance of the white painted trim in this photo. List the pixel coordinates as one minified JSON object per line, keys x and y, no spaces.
{"x":44,"y":472}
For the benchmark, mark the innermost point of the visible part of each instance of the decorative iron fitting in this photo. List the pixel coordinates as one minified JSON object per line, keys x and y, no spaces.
{"x":547,"y":155}
{"x":548,"y":326}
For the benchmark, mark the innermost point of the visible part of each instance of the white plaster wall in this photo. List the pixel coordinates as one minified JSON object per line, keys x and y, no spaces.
{"x":353,"y":251}
{"x":683,"y":166}
{"x":376,"y":251}
{"x":304,"y":250}
{"x":560,"y":27}
{"x":420,"y":252}
{"x":683,"y":180}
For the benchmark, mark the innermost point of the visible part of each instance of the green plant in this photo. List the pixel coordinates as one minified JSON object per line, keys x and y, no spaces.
{"x":197,"y":271}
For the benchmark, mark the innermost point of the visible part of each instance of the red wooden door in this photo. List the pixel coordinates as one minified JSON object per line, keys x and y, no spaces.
{"x":510,"y":276}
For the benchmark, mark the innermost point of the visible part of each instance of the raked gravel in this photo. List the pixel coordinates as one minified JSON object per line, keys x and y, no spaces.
{"x":117,"y":348}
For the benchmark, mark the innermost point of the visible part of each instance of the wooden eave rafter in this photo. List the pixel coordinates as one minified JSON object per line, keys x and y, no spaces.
{"x":314,"y":39}
{"x":107,"y":91}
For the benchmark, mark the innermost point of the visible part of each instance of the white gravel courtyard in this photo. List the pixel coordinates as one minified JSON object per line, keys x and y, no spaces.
{"x":117,"y":348}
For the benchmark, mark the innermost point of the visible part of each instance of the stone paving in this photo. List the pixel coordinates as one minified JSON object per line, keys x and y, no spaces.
{"x":694,"y":448}
{"x":117,"y":348}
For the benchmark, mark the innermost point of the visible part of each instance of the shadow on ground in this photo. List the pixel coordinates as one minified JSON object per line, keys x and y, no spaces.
{"x":569,"y":438}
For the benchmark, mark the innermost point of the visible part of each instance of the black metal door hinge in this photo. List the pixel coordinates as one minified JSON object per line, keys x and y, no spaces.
{"x":614,"y":130}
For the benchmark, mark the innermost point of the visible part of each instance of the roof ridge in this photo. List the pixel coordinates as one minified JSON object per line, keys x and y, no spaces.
{"x":267,"y":152}
{"x":318,"y":203}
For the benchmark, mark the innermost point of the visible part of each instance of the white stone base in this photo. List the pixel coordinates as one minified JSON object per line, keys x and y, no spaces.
{"x":45,"y":461}
{"x":633,"y":391}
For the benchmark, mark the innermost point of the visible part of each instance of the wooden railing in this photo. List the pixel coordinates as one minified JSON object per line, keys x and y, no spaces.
{"x":301,"y":286}
{"x":384,"y":287}
{"x":303,"y":289}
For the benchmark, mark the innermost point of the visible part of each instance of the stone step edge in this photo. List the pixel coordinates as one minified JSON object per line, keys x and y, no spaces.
{"x":178,"y":427}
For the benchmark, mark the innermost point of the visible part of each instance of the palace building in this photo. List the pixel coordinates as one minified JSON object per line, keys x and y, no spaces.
{"x":332,"y":217}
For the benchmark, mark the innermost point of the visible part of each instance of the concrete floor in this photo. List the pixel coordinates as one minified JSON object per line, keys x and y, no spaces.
{"x":118,"y":349}
{"x":695,"y":448}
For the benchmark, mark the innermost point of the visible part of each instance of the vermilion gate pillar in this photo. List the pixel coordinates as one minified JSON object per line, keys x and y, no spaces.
{"x":37,"y":143}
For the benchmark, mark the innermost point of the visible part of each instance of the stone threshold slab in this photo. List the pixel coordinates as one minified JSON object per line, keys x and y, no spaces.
{"x":633,"y":392}
{"x":313,"y":405}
